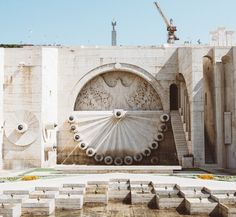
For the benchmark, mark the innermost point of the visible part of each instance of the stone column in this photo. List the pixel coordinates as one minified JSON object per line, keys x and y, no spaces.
{"x":197,"y":109}
{"x":219,"y":106}
{"x":49,"y":104}
{"x":232,"y":147}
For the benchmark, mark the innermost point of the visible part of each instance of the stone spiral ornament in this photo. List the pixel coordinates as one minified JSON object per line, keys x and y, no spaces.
{"x":22,"y":127}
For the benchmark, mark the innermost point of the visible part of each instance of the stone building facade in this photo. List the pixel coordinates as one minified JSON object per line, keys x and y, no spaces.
{"x":118,"y":105}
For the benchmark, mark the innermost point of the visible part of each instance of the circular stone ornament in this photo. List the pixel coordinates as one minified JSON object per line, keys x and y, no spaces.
{"x":90,"y":152}
{"x":165,"y":118}
{"x":99,"y":157}
{"x":154,"y":145}
{"x":21,"y":127}
{"x":138,"y":157}
{"x":83,"y":146}
{"x":76,"y":137}
{"x":128,"y":160}
{"x":108,"y":160}
{"x":74,"y":128}
{"x":160,"y":137}
{"x":146,"y":152}
{"x":118,"y":161}
{"x":72,"y":119}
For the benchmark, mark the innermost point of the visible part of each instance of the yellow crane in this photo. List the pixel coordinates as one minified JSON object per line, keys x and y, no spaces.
{"x":171,"y":29}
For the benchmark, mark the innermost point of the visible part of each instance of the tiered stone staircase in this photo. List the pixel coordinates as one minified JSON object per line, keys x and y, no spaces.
{"x":179,"y":135}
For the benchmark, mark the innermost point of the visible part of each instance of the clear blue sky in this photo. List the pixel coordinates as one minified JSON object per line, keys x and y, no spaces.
{"x":88,"y":22}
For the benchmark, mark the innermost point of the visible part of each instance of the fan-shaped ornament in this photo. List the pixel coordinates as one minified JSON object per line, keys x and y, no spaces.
{"x":21,"y":128}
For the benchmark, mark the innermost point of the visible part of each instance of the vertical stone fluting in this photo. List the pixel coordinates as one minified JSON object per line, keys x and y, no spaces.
{"x":219,"y":106}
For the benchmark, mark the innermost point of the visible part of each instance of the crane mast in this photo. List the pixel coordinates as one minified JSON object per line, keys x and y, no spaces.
{"x":171,"y":29}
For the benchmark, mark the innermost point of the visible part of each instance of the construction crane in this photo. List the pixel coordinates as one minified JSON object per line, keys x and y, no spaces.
{"x":171,"y":29}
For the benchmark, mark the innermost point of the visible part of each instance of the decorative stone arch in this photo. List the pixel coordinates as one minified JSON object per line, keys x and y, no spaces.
{"x":124,"y":67}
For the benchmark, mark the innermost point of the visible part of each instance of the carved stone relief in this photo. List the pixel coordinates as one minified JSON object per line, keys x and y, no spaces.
{"x":114,"y":90}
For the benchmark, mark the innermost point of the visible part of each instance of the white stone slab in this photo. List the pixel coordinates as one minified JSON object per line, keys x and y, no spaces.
{"x":97,"y":183}
{"x":69,"y":202}
{"x":164,"y":202}
{"x":166,"y":190}
{"x":194,"y":194}
{"x":189,"y":187}
{"x":46,"y":188}
{"x":7,"y":198}
{"x":224,"y":198}
{"x":74,"y":191}
{"x":74,"y":185}
{"x":203,"y":206}
{"x":10,"y":210}
{"x":220,"y":191}
{"x":17,"y":192}
{"x":96,"y":198}
{"x":38,"y":207}
{"x":43,"y":194}
{"x":142,"y":197}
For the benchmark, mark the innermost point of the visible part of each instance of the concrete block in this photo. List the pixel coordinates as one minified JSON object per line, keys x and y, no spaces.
{"x":142,"y":196}
{"x":219,"y":191}
{"x":194,"y":194}
{"x":10,"y":210}
{"x":17,"y":192}
{"x":224,"y":198}
{"x":74,"y":185}
{"x":46,"y":188}
{"x":72,"y":191}
{"x":189,"y":187}
{"x":69,"y":202}
{"x":12,"y":199}
{"x":227,"y":210}
{"x":43,"y":194}
{"x":140,"y":182}
{"x":201,"y":206}
{"x":169,"y":202}
{"x":97,"y":183}
{"x":166,"y":190}
{"x":42,"y":207}
{"x":99,"y":197}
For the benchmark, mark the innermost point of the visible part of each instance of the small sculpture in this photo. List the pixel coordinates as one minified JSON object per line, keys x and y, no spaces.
{"x":113,"y":25}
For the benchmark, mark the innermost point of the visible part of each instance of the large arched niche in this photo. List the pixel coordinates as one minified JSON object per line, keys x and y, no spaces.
{"x":117,"y":90}
{"x":126,"y":124}
{"x":120,"y":68}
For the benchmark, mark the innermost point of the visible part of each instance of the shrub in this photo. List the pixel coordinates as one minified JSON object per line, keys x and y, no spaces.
{"x":206,"y":176}
{"x":29,"y":178}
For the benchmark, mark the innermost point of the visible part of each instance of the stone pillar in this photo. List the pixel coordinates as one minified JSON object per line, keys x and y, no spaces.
{"x":49,"y":105}
{"x":232,"y":147}
{"x":1,"y":102}
{"x":197,"y":109}
{"x":219,"y":95}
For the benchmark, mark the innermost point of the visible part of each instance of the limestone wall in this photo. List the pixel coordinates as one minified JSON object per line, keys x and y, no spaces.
{"x":1,"y":101}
